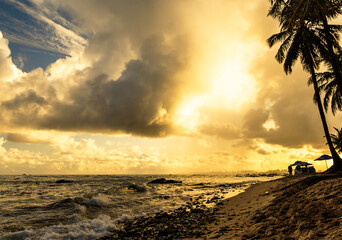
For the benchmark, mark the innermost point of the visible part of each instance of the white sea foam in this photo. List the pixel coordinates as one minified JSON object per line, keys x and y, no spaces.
{"x":100,"y":201}
{"x":84,"y":230}
{"x":16,"y":235}
{"x":82,"y":209}
{"x":125,"y":217}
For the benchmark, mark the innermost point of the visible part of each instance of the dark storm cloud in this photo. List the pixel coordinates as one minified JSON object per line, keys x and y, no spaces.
{"x":139,"y":102}
{"x":24,"y":100}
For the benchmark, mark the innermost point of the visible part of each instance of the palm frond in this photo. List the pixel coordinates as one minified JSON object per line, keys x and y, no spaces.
{"x":326,"y":99}
{"x":336,"y":103}
{"x":277,"y":38}
{"x":283,"y":49}
{"x":292,"y":53}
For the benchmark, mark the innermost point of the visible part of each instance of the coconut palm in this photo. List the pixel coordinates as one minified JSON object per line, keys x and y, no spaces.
{"x":337,"y":140}
{"x":304,"y":41}
{"x":277,"y":7}
{"x":288,"y":12}
{"x":328,"y":84}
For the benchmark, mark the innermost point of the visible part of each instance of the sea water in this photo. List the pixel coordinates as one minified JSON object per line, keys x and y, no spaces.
{"x":88,"y":206}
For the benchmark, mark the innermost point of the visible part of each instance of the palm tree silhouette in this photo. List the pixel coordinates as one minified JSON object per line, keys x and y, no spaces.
{"x":304,"y":41}
{"x":337,"y":140}
{"x":288,"y":12}
{"x":327,"y":83}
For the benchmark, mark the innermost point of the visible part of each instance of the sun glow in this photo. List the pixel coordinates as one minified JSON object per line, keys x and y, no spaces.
{"x":229,"y":87}
{"x":232,"y":86}
{"x":188,"y":115}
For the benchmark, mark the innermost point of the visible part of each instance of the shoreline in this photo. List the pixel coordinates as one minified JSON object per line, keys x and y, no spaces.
{"x":284,"y":208}
{"x":183,"y":222}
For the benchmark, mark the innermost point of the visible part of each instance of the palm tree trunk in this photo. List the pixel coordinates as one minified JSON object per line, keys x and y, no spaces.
{"x":333,"y":59}
{"x":336,"y":158}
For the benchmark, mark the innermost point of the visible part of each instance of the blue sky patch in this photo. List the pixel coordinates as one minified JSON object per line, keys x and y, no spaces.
{"x":33,"y":41}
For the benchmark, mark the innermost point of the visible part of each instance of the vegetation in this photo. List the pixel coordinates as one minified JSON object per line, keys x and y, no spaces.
{"x":337,"y":140}
{"x":306,"y":34}
{"x":327,"y":83}
{"x":289,"y":12}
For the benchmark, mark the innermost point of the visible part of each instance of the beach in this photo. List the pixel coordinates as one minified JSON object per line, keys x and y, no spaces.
{"x":93,"y":206}
{"x":293,"y":207}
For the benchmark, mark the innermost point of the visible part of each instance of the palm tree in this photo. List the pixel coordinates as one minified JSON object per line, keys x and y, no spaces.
{"x":337,"y":140}
{"x":327,"y":83}
{"x":304,"y":41}
{"x":288,"y":12}
{"x":277,"y":7}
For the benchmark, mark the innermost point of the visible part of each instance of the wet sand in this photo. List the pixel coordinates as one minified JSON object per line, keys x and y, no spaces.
{"x":294,"y":207}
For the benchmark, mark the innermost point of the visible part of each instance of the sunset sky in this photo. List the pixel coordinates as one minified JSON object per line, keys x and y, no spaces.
{"x":154,"y":86}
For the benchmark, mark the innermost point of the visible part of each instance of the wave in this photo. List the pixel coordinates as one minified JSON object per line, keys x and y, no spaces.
{"x":137,"y":188}
{"x":85,"y":229}
{"x":124,"y":188}
{"x":99,"y":201}
{"x":16,"y":235}
{"x":68,"y":202}
{"x":67,"y":206}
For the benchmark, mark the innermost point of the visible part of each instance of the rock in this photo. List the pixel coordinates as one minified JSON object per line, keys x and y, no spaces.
{"x":64,"y":181}
{"x":136,"y":188}
{"x":197,"y":210}
{"x":215,"y":198}
{"x":163,"y":181}
{"x":176,"y":224}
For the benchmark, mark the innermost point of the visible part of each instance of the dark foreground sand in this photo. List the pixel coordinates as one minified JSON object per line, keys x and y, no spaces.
{"x":300,"y":207}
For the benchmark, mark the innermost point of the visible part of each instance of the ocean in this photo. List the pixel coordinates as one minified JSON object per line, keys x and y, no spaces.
{"x":89,"y":206}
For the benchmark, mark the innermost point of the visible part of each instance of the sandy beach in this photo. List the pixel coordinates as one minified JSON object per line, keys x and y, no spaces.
{"x":293,"y":207}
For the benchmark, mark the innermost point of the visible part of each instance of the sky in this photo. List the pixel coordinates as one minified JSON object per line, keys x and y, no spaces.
{"x":150,"y":87}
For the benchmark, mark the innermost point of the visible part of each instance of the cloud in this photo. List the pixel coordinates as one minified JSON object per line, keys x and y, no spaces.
{"x":225,"y":131}
{"x":8,"y":71}
{"x":263,"y":152}
{"x":79,"y":156}
{"x":26,"y":100}
{"x":14,"y":161}
{"x":287,"y":100}
{"x":129,"y":78}
{"x":139,"y":102}
{"x":24,"y":138}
